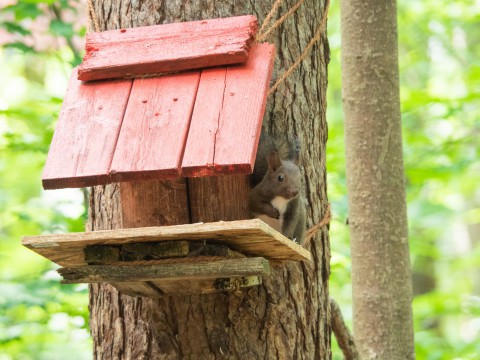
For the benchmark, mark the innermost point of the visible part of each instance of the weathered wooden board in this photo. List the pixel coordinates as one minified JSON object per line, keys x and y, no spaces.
{"x":198,"y":159}
{"x":227,"y":118}
{"x":151,"y":141}
{"x":252,"y":237}
{"x":246,"y":91}
{"x":158,"y":203}
{"x":199,"y":285}
{"x":192,"y":124}
{"x":86,"y":133}
{"x":207,"y":270}
{"x":167,"y":48}
{"x":207,"y":196}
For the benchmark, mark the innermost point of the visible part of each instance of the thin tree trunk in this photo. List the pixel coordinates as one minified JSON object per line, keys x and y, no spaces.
{"x":287,"y":317}
{"x":381,"y":280}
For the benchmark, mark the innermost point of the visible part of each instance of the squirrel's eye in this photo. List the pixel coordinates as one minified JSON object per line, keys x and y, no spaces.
{"x":280,"y":178}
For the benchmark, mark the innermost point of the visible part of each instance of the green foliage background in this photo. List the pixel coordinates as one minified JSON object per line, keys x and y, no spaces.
{"x":440,"y":86}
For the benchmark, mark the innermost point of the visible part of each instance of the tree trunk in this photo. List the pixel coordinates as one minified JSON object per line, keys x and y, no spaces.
{"x":381,"y":280}
{"x":287,"y":317}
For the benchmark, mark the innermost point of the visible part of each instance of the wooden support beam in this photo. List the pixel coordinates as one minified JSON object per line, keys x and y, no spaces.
{"x":154,"y":203}
{"x":161,"y":288}
{"x":204,"y":249}
{"x":101,"y":254}
{"x":208,"y":270}
{"x":136,"y":289}
{"x":143,"y":252}
{"x":206,"y":286}
{"x":153,"y":251}
{"x":218,"y":198}
{"x":167,"y":48}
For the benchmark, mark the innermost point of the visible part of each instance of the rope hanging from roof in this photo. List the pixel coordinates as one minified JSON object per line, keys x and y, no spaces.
{"x":317,"y":36}
{"x":91,"y":16}
{"x":263,"y":35}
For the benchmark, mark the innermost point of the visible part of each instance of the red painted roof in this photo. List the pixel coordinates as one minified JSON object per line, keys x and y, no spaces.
{"x":196,"y":123}
{"x":167,"y":48}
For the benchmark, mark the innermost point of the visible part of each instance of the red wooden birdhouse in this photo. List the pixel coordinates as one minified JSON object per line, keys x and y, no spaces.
{"x":158,"y":103}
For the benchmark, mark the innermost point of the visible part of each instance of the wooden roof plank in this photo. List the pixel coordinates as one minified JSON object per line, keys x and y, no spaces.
{"x":252,"y":237}
{"x":227,"y":118}
{"x":240,"y":122}
{"x":167,"y":48}
{"x":154,"y":129}
{"x":83,"y":144}
{"x":200,"y":146}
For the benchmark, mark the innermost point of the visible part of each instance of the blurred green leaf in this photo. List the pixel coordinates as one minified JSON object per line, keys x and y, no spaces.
{"x":24,"y":9}
{"x":15,"y":28}
{"x":20,"y":46}
{"x":60,"y":28}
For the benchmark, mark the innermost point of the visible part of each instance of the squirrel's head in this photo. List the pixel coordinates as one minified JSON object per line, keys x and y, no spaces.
{"x":284,"y":177}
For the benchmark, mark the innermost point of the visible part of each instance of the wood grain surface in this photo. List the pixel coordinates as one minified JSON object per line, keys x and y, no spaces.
{"x":227,"y":118}
{"x":240,"y":123}
{"x":86,"y":133}
{"x":198,"y":159}
{"x":251,"y":237}
{"x":178,"y":271}
{"x":197,"y":123}
{"x":157,"y":119}
{"x":167,"y":48}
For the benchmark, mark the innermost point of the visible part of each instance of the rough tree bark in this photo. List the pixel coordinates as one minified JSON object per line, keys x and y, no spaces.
{"x":288,"y":316}
{"x":381,"y":280}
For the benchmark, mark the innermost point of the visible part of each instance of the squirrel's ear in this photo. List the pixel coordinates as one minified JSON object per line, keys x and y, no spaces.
{"x":274,"y":161}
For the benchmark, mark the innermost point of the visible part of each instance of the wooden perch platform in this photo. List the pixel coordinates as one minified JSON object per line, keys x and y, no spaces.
{"x":167,"y":48}
{"x":179,"y":259}
{"x":251,"y":237}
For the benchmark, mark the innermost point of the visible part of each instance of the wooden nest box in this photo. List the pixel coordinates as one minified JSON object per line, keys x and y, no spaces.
{"x":161,"y":103}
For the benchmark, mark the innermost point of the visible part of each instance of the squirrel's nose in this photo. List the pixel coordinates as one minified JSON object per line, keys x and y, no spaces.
{"x":294,"y":193}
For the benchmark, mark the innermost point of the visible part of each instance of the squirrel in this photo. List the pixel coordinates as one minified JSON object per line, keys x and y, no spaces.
{"x":277,"y":195}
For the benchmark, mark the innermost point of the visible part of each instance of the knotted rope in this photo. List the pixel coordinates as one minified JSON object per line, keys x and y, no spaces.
{"x":313,"y":41}
{"x":262,"y":35}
